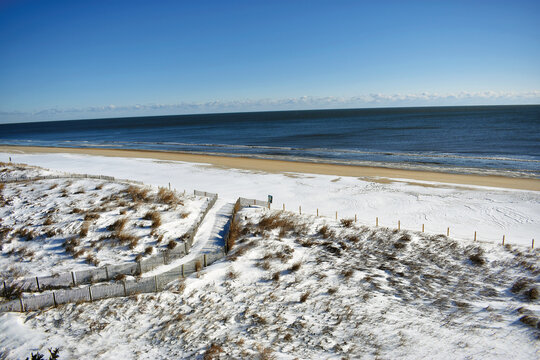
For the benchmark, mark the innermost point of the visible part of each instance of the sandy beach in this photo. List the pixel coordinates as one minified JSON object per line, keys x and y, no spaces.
{"x":278,"y":166}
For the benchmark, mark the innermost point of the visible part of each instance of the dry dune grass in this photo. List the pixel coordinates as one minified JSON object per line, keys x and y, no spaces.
{"x":435,"y":271}
{"x":166,"y":196}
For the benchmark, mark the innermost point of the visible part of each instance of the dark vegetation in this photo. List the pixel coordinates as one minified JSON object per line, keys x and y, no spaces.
{"x":414,"y":267}
{"x":54,"y":354}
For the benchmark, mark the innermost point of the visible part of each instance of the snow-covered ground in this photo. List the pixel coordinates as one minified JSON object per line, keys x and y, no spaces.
{"x":297,"y":287}
{"x":58,"y":225}
{"x":491,"y":212}
{"x":310,"y":287}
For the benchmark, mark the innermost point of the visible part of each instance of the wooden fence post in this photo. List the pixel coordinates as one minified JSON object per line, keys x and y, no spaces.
{"x":106,"y":273}
{"x":54,"y":299}
{"x":354,"y":217}
{"x":448,"y":231}
{"x":300,"y":210}
{"x":336,"y":215}
{"x":73,"y":278}
{"x":317,"y":212}
{"x":22,"y":306}
{"x":125,"y":291}
{"x":399,"y":225}
{"x":503,"y":240}
{"x":377,"y":221}
{"x":204,"y":261}
{"x":532,"y":247}
{"x":37,"y":283}
{"x":422,"y":227}
{"x":90,"y":292}
{"x":475,"y":236}
{"x":155,"y":283}
{"x":183,"y":270}
{"x":283,"y":206}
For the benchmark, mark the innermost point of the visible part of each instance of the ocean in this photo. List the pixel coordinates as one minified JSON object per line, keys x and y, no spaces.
{"x":474,"y":139}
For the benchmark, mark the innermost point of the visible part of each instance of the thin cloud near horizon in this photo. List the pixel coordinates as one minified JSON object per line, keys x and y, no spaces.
{"x":290,"y":103}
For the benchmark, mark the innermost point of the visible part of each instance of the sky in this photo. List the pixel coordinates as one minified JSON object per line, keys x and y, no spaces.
{"x":91,"y":59}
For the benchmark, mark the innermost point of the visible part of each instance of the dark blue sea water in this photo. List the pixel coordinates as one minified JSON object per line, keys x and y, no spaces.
{"x":483,"y":139}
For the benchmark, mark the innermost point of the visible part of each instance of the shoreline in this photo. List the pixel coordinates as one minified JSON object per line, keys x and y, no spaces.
{"x":281,"y":166}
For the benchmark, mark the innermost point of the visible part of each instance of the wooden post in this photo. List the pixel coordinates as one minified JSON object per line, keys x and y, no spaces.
{"x":354,"y":217}
{"x":422,"y":227}
{"x":54,"y":299}
{"x":73,"y":278}
{"x":377,"y":221}
{"x":155,"y":283}
{"x":37,"y":283}
{"x":399,"y":225}
{"x":90,"y":292}
{"x":22,"y":306}
{"x":475,"y":236}
{"x":125,"y":291}
{"x":532,"y":247}
{"x":300,"y":210}
{"x":106,"y":273}
{"x":448,"y":231}
{"x":336,"y":215}
{"x":204,"y":261}
{"x":5,"y":287}
{"x":183,"y":270}
{"x":317,"y":212}
{"x":169,"y":186}
{"x":503,"y":240}
{"x":283,"y":206}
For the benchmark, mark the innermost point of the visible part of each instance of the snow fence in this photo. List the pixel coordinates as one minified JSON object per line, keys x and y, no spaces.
{"x":122,"y":288}
{"x":110,"y":272}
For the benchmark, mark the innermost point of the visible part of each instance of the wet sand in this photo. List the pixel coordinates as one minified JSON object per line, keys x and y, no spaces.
{"x":279,"y":166}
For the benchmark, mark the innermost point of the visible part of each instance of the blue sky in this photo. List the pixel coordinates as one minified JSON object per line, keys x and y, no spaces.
{"x":89,"y":59}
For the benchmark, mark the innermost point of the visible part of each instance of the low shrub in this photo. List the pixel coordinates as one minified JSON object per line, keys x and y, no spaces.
{"x":53,"y":355}
{"x":84,"y":229}
{"x":90,"y":216}
{"x":234,"y":233}
{"x":118,"y":225}
{"x":346,"y":222}
{"x":91,"y":259}
{"x":137,"y":194}
{"x":148,"y":250}
{"x":519,"y":285}
{"x":532,"y":294}
{"x":166,"y":196}
{"x":155,"y":217}
{"x":275,"y":276}
{"x":325,"y":232}
{"x":529,"y":320}
{"x":347,"y":273}
{"x":231,"y":275}
{"x":212,"y":352}
{"x":198,"y":266}
{"x":295,"y":267}
{"x":172,"y":244}
{"x":477,"y":259}
{"x":304,"y":297}
{"x":332,"y":291}
{"x":12,"y":292}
